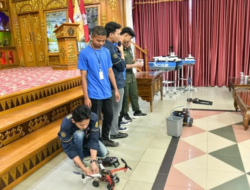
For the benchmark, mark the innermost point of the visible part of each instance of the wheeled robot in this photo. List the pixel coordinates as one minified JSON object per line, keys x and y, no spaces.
{"x":107,"y":176}
{"x":185,"y":113}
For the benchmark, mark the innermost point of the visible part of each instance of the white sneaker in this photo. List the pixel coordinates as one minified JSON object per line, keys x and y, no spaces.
{"x":122,"y":129}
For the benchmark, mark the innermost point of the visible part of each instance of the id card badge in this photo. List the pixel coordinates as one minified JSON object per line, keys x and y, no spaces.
{"x":101,"y":75}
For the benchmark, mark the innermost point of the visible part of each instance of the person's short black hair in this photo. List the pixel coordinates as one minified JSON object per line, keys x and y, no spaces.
{"x":99,"y":31}
{"x":81,"y":113}
{"x":111,"y":27}
{"x":129,"y":31}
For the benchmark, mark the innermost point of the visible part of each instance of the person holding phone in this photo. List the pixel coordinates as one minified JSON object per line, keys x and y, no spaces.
{"x":113,"y":36}
{"x":130,"y":90}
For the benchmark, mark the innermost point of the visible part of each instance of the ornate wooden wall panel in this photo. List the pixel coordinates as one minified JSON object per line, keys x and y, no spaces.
{"x":27,"y":6}
{"x":111,"y":10}
{"x":54,"y":4}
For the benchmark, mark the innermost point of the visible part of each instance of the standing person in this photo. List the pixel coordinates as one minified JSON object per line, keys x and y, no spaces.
{"x":79,"y":136}
{"x":97,"y":74}
{"x":113,"y":36}
{"x":131,"y":85}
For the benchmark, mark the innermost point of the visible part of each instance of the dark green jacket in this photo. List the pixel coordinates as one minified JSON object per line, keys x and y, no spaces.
{"x":130,"y":76}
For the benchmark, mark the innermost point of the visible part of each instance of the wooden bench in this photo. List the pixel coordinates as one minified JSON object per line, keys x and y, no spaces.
{"x":242,"y":101}
{"x":23,"y":120}
{"x":23,"y":157}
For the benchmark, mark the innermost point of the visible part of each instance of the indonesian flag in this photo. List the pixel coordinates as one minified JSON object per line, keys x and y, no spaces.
{"x":85,"y":22}
{"x":70,"y":11}
{"x":78,"y":19}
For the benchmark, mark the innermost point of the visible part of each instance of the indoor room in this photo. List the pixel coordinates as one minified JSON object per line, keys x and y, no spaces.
{"x":124,"y":94}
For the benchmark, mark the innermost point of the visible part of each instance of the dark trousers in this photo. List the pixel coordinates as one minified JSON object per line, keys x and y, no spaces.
{"x":105,"y":106}
{"x":131,"y":92}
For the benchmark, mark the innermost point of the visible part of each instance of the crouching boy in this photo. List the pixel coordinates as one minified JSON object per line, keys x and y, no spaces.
{"x":79,"y":135}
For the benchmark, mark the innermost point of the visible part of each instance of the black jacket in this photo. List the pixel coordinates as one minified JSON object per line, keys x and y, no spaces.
{"x":119,"y":65}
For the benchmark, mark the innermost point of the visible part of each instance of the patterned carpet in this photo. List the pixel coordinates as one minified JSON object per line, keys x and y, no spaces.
{"x":13,"y":80}
{"x":214,"y":154}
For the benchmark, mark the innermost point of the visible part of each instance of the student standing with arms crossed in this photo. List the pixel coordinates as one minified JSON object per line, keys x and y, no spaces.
{"x":97,"y":74}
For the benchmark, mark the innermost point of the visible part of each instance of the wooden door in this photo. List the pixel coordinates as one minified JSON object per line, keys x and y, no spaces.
{"x":27,"y":40}
{"x":38,"y":39}
{"x":32,"y":40}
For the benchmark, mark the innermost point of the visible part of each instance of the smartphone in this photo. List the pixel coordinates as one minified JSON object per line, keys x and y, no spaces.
{"x":119,"y":44}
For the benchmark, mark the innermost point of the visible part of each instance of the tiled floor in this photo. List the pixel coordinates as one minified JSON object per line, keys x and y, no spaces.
{"x":214,"y":154}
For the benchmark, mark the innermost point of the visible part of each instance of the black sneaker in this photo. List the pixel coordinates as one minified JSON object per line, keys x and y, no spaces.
{"x":110,"y":143}
{"x":119,"y":136}
{"x":138,"y":114}
{"x":126,"y":117}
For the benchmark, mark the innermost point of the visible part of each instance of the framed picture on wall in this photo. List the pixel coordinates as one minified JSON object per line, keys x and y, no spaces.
{"x":53,"y":20}
{"x":93,"y":13}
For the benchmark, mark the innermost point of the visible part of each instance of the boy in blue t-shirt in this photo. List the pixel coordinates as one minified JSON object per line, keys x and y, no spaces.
{"x":96,"y":71}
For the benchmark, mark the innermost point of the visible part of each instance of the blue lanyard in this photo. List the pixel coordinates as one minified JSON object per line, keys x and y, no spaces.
{"x":99,"y":62}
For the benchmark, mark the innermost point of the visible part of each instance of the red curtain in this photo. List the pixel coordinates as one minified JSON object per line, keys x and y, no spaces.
{"x":159,"y":25}
{"x":217,"y":35}
{"x":220,"y":40}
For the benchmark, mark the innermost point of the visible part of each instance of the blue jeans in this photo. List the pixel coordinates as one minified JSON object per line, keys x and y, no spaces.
{"x":82,"y":150}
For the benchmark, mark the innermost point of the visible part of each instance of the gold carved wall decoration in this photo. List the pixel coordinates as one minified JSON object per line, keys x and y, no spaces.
{"x":47,"y":60}
{"x":104,"y":20}
{"x":43,"y":29}
{"x":27,"y":39}
{"x":73,"y":105}
{"x":41,"y":57}
{"x":54,"y":60}
{"x":54,"y":4}
{"x":62,"y":52}
{"x":22,"y":61}
{"x":30,"y":57}
{"x":38,"y":39}
{"x":25,"y":22}
{"x":27,"y":6}
{"x":41,"y":5}
{"x":36,"y":21}
{"x":112,"y":4}
{"x":72,"y":57}
{"x":11,"y":135}
{"x":38,"y":123}
{"x":18,"y":35}
{"x":114,"y":19}
{"x":58,"y":113}
{"x":14,"y":9}
{"x":88,"y":1}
